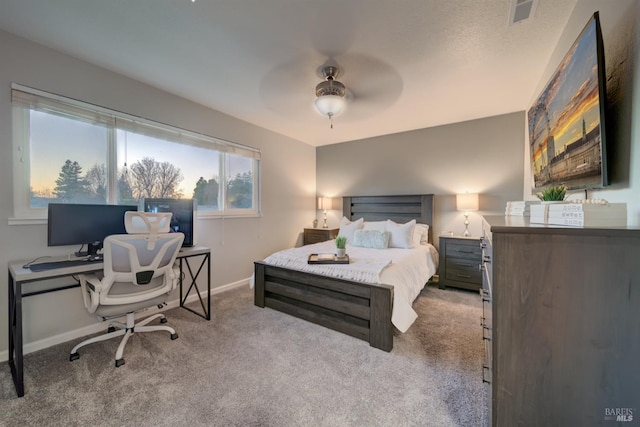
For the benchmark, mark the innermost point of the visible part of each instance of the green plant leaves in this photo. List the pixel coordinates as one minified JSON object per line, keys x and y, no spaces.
{"x":553,"y":193}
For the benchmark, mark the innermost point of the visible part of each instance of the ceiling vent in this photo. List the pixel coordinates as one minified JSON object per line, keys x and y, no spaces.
{"x":521,"y":10}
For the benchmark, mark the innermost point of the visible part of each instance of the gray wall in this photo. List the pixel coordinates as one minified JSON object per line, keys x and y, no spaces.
{"x":288,"y":181}
{"x":480,"y":156}
{"x":620,"y":22}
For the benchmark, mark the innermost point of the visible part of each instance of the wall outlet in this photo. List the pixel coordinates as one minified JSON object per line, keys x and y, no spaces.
{"x":435,"y":278}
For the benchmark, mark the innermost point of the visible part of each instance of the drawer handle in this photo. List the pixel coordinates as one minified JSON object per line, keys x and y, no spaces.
{"x":464,"y":276}
{"x":464,"y":264}
{"x":464,"y":252}
{"x":485,"y":368}
{"x":485,"y":337}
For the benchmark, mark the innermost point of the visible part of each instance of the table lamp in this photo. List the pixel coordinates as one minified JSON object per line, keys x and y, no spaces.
{"x":325,"y":203}
{"x":466,"y":202}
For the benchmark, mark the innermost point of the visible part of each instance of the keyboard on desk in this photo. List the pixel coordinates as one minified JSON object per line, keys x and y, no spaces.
{"x":44,"y":266}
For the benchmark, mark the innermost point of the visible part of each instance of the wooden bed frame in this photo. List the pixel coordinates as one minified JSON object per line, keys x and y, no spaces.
{"x":358,"y":309}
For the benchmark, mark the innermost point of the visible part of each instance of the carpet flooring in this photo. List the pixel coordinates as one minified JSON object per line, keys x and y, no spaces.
{"x":250,"y":366}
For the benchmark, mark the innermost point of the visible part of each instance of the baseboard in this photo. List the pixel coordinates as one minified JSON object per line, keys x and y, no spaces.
{"x":99,"y":326}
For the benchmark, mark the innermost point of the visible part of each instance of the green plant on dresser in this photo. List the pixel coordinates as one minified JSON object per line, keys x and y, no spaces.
{"x":554,"y":193}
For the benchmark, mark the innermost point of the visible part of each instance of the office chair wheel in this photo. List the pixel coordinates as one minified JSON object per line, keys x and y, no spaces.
{"x":74,"y":356}
{"x":119,"y":363}
{"x":163,"y":320}
{"x":174,"y":337}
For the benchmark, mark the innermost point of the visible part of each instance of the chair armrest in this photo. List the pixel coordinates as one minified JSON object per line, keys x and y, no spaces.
{"x":94,"y":283}
{"x":173,"y":274}
{"x":91,"y":286}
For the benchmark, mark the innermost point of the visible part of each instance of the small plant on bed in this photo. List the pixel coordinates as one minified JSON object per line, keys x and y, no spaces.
{"x":341,"y":244}
{"x":553,"y":193}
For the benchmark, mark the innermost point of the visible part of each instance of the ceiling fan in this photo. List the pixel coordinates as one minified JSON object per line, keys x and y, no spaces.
{"x":357,"y":87}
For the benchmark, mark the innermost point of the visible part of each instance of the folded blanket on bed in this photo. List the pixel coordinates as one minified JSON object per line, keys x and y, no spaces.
{"x":358,"y":269}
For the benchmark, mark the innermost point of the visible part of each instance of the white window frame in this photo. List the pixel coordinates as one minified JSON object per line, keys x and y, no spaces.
{"x":24,"y":214}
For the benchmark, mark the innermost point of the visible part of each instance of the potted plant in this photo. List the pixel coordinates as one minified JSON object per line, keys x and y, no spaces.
{"x":341,"y":244}
{"x":553,"y":193}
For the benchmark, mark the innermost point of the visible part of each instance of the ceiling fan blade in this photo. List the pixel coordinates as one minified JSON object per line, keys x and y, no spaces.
{"x":372,"y":85}
{"x":291,"y":85}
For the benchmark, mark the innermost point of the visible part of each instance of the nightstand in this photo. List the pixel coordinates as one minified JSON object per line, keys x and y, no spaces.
{"x":460,"y":259}
{"x":316,"y":235}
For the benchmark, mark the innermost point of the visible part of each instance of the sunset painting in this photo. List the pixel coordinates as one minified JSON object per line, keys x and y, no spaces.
{"x":565,"y":123}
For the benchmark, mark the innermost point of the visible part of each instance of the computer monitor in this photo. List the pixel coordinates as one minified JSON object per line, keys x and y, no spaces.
{"x":78,"y":224}
{"x":183,"y":218}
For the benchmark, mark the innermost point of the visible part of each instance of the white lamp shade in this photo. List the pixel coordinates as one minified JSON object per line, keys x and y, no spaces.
{"x":325,"y":203}
{"x":467,"y":202}
{"x":330,"y":105}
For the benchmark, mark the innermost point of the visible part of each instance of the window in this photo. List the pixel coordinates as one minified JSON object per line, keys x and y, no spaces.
{"x":73,"y":152}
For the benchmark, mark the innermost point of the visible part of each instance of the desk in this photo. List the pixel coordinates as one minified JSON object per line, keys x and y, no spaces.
{"x":183,"y":258}
{"x":19,"y":276}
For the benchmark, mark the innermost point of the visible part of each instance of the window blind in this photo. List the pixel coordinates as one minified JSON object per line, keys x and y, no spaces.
{"x":60,"y":108}
{"x":51,"y":103}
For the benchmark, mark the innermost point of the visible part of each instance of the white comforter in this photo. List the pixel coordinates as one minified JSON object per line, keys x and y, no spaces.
{"x":408,"y":270}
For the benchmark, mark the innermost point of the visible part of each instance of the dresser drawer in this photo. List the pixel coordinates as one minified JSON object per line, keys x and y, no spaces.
{"x":487,"y":270}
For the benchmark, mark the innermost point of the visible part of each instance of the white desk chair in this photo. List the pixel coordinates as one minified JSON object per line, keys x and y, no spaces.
{"x":139,"y":273}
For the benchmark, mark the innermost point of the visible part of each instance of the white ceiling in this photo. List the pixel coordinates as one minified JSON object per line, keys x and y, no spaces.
{"x":407,"y":64}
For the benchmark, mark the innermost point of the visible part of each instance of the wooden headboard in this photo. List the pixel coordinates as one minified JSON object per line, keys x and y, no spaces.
{"x":399,"y":209}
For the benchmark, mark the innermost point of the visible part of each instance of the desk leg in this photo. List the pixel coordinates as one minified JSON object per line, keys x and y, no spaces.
{"x":208,"y":286}
{"x":206,"y":311}
{"x":15,"y":335}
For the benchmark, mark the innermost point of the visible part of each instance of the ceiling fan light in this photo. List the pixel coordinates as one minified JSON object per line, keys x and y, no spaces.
{"x":330,"y":105}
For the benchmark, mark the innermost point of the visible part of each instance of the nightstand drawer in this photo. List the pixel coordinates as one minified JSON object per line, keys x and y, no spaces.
{"x":464,"y":264}
{"x":317,"y":235}
{"x":469,"y":250}
{"x":463,"y":273}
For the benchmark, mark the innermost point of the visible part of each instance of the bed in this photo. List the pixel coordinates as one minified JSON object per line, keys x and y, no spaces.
{"x":356,"y":308}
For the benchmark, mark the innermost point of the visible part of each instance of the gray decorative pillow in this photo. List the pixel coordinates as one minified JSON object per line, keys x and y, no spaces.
{"x":370,"y":239}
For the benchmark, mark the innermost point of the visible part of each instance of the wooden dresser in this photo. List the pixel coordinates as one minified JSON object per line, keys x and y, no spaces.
{"x":561,"y":324}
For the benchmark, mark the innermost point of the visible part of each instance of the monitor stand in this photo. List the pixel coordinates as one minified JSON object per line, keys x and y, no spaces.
{"x":92,"y":250}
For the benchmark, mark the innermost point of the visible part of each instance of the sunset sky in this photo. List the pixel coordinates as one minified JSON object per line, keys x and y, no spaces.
{"x":55,"y":139}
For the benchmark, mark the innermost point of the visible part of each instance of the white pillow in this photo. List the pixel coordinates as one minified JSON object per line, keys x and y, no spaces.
{"x":347,"y":228}
{"x":421,"y":235}
{"x":375,"y":225}
{"x":371,"y":239}
{"x":401,"y":235}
